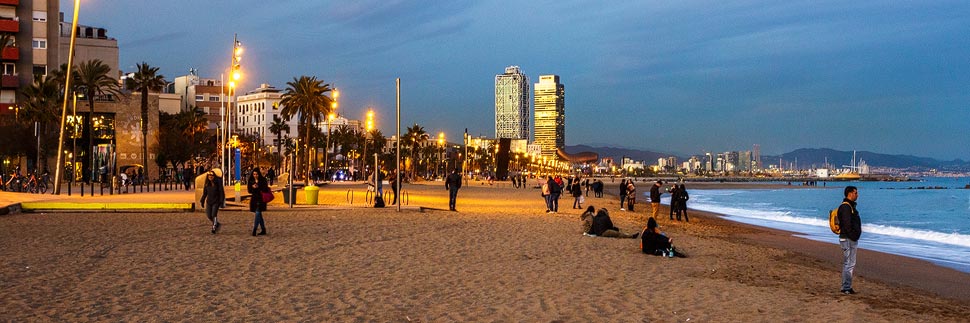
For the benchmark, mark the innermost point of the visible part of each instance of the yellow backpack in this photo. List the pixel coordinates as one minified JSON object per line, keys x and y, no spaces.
{"x":834,"y":219}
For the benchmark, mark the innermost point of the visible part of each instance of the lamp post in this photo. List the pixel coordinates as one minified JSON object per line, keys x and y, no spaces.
{"x":333,"y":113}
{"x":67,"y":87}
{"x":234,"y":75}
{"x":441,"y":147}
{"x":326,"y":152}
{"x":368,"y":125}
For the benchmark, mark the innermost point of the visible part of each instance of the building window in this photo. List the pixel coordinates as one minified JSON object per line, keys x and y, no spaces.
{"x":40,"y":69}
{"x":39,"y":43}
{"x":199,"y":98}
{"x":213,"y":98}
{"x":40,"y":16}
{"x":9,"y":69}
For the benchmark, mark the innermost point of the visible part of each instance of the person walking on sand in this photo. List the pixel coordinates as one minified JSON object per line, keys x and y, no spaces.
{"x":577,"y":191}
{"x":547,"y":194}
{"x":257,"y":185}
{"x":213,"y":195}
{"x":655,"y":198}
{"x":851,"y":229}
{"x":622,"y":194}
{"x":453,"y":183}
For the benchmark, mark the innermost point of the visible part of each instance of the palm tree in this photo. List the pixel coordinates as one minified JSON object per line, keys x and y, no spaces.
{"x":94,"y":79}
{"x":276,"y":127}
{"x":41,"y":100}
{"x":415,"y":136}
{"x":304,"y":97}
{"x":146,"y":79}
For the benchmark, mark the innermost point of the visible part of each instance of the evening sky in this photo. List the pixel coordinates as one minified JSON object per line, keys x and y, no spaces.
{"x":684,"y":77}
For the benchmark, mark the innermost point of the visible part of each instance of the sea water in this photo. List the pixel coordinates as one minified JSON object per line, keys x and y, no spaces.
{"x":897,"y":217}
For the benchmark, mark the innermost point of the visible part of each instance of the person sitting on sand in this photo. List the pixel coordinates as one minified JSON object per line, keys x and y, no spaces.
{"x":587,"y":218}
{"x":654,"y":242}
{"x":603,"y":226}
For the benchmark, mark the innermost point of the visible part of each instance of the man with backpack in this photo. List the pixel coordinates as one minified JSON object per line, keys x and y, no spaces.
{"x":850,"y":229}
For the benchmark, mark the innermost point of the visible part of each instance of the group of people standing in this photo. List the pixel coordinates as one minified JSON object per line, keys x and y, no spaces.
{"x":678,"y":200}
{"x":554,"y":187}
{"x":214,"y":197}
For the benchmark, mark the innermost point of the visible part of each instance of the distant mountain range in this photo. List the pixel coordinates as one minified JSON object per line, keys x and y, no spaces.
{"x":805,"y":157}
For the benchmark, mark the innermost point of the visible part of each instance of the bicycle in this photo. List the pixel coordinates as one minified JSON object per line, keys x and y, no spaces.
{"x":15,"y":184}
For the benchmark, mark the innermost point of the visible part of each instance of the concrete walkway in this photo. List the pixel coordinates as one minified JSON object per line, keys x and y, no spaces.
{"x":331,"y":195}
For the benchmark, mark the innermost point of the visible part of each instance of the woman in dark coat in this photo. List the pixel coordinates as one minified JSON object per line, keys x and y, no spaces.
{"x":257,"y":185}
{"x":654,"y":242}
{"x":213,"y":195}
{"x":622,"y":194}
{"x":577,"y":191}
{"x":682,"y":204}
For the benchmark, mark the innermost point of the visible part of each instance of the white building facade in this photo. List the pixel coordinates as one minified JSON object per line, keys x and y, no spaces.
{"x":256,"y":111}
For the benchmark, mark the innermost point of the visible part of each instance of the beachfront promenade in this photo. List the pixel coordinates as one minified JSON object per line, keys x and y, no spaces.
{"x":499,"y":258}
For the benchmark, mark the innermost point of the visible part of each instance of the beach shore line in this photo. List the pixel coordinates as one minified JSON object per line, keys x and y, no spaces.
{"x":500,"y":258}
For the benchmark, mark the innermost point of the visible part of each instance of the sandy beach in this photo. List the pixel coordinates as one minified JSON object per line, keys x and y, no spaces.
{"x":500,"y":258}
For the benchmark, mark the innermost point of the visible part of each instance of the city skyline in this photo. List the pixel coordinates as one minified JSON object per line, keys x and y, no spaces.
{"x":671,"y":77}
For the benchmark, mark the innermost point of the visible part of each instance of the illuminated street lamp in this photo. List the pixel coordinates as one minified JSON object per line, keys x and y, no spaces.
{"x":326,"y":152}
{"x":441,"y":145}
{"x":368,"y":126}
{"x":235,"y":74}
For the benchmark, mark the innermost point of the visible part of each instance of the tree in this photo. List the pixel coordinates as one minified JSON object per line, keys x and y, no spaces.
{"x":41,"y":101}
{"x":277,"y":127}
{"x":182,"y":136}
{"x":94,"y":79}
{"x":304,"y":97}
{"x":146,"y":79}
{"x":414,"y":137}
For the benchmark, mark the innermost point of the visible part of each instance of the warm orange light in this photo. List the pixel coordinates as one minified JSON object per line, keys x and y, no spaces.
{"x":333,"y":104}
{"x":331,"y":116}
{"x":239,"y":51}
{"x":336,"y":94}
{"x":236,"y":75}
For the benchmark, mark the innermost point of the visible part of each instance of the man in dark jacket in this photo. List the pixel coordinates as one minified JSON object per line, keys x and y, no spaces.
{"x":603,"y":227}
{"x":655,"y":198}
{"x":453,"y":183}
{"x":851,"y":229}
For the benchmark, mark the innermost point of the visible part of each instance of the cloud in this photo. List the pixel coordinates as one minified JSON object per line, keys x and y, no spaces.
{"x":154,"y":40}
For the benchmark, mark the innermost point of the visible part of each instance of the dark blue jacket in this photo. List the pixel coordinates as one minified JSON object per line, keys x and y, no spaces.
{"x":849,"y":221}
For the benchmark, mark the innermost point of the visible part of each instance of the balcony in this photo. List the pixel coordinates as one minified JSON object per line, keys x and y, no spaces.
{"x":9,"y":26}
{"x":9,"y":2}
{"x":11,"y":54}
{"x":10,"y":81}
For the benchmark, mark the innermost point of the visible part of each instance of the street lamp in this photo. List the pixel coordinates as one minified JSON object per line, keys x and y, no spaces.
{"x":368,"y":125}
{"x":441,"y":145}
{"x":235,"y":75}
{"x":326,"y":152}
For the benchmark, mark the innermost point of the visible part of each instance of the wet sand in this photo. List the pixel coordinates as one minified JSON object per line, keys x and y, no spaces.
{"x":499,"y":259}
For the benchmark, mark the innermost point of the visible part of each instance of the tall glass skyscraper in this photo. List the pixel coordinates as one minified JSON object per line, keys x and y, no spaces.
{"x":550,"y":115}
{"x":512,"y":104}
